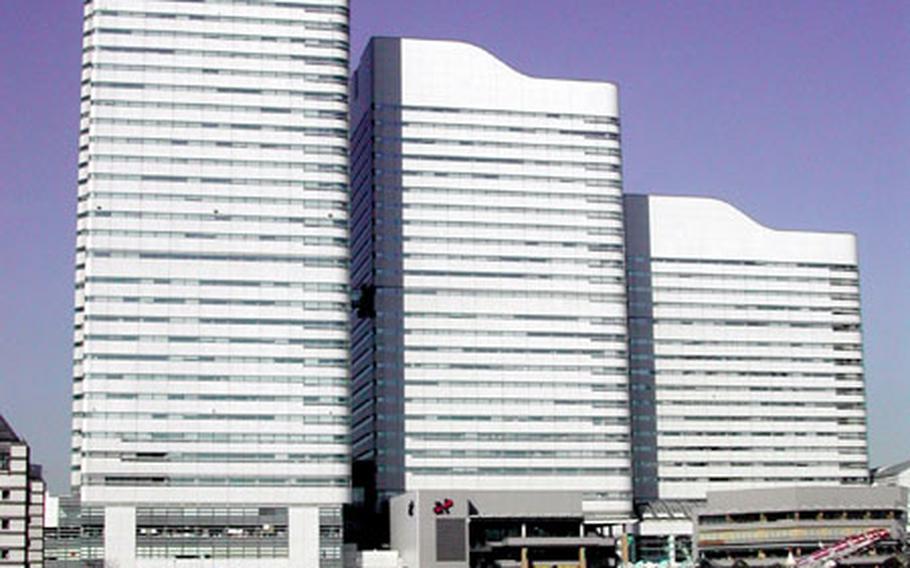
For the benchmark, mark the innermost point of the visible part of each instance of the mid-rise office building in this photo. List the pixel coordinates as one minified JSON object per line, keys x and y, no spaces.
{"x":786,"y":526}
{"x":745,"y":352}
{"x":489,"y":339}
{"x":210,"y":406}
{"x":22,"y":492}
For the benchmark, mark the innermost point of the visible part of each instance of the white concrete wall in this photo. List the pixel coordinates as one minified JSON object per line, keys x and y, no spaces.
{"x":120,"y":536}
{"x":303,"y":536}
{"x":405,"y":528}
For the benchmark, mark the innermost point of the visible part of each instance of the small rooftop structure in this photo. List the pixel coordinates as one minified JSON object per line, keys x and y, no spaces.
{"x":802,"y":499}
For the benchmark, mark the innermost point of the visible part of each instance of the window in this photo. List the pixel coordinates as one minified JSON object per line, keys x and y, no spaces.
{"x":4,"y":524}
{"x":451,"y":545}
{"x":4,"y":554}
{"x":5,"y":494}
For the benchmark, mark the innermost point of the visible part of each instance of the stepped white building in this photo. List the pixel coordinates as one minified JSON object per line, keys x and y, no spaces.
{"x":210,"y":414}
{"x":489,"y":344}
{"x":745,"y":352}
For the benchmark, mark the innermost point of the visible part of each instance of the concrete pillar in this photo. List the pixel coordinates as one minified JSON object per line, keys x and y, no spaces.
{"x":303,"y":537}
{"x":120,"y":537}
{"x":582,"y":558}
{"x":524,"y":557}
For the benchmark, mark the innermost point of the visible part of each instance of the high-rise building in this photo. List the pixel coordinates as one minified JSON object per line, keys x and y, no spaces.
{"x":210,"y":406}
{"x":489,"y":338}
{"x":745,"y":352}
{"x":22,"y":492}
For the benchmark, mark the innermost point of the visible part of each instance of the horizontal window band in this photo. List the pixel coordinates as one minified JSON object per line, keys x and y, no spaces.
{"x":529,"y":471}
{"x":216,"y":437}
{"x":311,"y":285}
{"x":255,"y":322}
{"x":757,"y":263}
{"x":544,"y":193}
{"x":226,"y":35}
{"x":209,"y":72}
{"x":337,"y":134}
{"x":562,"y":454}
{"x":238,"y":378}
{"x":176,"y":416}
{"x":404,"y":126}
{"x":491,"y":209}
{"x":291,"y":22}
{"x":590,"y":150}
{"x":135,"y":357}
{"x":609,"y":182}
{"x":592,"y":118}
{"x":597,"y":166}
{"x":200,"y":143}
{"x":151,"y":255}
{"x":148,"y":159}
{"x":612,"y":423}
{"x":340,"y":307}
{"x":549,"y":260}
{"x":230,"y":340}
{"x":287,"y":4}
{"x":219,"y":217}
{"x":124,"y":456}
{"x":315,"y":241}
{"x":514,"y":436}
{"x":598,"y":231}
{"x":152,"y":481}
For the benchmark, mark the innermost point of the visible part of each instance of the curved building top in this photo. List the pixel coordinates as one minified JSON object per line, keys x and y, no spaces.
{"x":701,"y":227}
{"x":448,"y":73}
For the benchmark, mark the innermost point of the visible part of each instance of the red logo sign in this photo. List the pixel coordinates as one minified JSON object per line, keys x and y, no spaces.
{"x":443,"y":507}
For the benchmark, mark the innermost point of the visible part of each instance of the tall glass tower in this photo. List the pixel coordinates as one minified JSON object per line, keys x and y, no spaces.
{"x":489,"y":344}
{"x":210,"y":405}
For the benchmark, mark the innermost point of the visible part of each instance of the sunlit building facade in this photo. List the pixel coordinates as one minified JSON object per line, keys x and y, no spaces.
{"x":489,"y":340}
{"x":210,"y":408}
{"x":746,"y":362}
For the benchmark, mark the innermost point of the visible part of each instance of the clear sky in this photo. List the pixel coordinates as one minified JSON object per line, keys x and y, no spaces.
{"x":798,"y":112}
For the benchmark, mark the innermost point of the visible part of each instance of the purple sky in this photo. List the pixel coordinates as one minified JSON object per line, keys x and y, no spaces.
{"x":798,"y":112}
